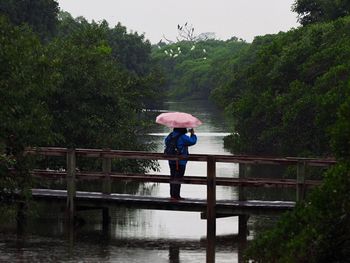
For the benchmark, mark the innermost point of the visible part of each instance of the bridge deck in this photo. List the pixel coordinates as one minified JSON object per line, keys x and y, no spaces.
{"x":225,"y":207}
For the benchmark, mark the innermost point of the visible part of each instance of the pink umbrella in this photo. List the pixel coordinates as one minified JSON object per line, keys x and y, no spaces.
{"x":178,"y":120}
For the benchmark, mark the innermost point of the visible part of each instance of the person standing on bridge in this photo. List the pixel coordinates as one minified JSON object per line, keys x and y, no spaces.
{"x":178,"y":167}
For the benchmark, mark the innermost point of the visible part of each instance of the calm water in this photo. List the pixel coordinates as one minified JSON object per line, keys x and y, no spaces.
{"x":138,"y":235}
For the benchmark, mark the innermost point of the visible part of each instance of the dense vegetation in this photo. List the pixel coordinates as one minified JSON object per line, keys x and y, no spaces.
{"x":312,"y":11}
{"x":289,"y":94}
{"x":193,"y":68}
{"x":287,"y":89}
{"x":69,"y":83}
{"x":40,"y":15}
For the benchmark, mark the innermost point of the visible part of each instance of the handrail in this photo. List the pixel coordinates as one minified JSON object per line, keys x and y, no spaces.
{"x":159,"y":178}
{"x":245,"y":159}
{"x":71,"y":174}
{"x":107,"y":155}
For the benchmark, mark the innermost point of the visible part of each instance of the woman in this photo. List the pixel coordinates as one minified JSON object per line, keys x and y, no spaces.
{"x":177,"y":168}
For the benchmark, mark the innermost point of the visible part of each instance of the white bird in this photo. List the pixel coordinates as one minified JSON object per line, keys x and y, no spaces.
{"x":204,"y":50}
{"x":178,"y":48}
{"x":166,"y":52}
{"x":176,"y":55}
{"x":193,"y":47}
{"x":204,"y":58}
{"x":171,"y":51}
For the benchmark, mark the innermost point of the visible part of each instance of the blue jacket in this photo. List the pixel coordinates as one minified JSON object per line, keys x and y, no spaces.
{"x":182,"y":144}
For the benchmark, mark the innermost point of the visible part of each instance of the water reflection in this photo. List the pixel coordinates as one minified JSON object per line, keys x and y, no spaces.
{"x":139,"y":235}
{"x":94,"y":247}
{"x":210,"y":141}
{"x":174,"y":254}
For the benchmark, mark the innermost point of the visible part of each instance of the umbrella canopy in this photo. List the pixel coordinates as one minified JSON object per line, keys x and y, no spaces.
{"x":178,"y":120}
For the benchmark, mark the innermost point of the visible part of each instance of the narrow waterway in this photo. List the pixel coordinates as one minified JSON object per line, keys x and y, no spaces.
{"x":138,"y":235}
{"x":210,"y":141}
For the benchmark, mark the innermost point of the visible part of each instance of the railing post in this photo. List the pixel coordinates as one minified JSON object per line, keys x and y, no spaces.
{"x":242,"y":219}
{"x":71,"y":189}
{"x":21,"y":217}
{"x":106,"y":188}
{"x":301,"y":180}
{"x":242,"y":175}
{"x":106,"y":169}
{"x":211,"y":213}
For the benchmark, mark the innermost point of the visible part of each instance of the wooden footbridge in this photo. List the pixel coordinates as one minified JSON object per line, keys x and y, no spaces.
{"x":210,"y":208}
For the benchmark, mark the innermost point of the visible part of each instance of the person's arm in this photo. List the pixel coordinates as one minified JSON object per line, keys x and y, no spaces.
{"x":190,"y":140}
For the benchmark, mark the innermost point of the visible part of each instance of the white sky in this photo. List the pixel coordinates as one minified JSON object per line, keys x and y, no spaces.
{"x":155,"y":18}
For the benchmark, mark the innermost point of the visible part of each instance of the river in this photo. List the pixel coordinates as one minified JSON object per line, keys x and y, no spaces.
{"x":139,"y":236}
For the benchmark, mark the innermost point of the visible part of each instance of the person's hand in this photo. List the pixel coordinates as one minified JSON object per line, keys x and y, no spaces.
{"x":191,"y":131}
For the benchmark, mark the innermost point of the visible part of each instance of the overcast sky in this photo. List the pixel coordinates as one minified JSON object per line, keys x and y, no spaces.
{"x":155,"y":18}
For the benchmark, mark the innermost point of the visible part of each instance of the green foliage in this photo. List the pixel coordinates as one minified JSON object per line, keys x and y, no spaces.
{"x":194,"y":69}
{"x":24,"y":71}
{"x":81,"y":89}
{"x":340,"y":131}
{"x":286,"y":89}
{"x":317,"y":230}
{"x":40,"y":15}
{"x":100,"y":97}
{"x":312,"y":11}
{"x":86,"y":104}
{"x":26,"y":77}
{"x":130,"y":51}
{"x":289,"y":95}
{"x":24,"y":116}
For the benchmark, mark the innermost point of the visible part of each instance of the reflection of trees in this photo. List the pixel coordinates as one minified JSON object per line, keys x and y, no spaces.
{"x":174,"y":253}
{"x":90,"y":242}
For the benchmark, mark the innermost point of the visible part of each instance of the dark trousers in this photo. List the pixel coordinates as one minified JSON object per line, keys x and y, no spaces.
{"x":176,"y":172}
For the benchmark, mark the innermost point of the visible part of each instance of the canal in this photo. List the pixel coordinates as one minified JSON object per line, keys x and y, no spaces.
{"x":140,"y":235}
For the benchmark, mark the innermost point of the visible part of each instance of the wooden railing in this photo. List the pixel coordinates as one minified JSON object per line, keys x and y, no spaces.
{"x":107,"y":155}
{"x":210,"y":180}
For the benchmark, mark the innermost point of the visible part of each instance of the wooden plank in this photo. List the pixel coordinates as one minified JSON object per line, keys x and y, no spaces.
{"x":71,"y":189}
{"x":106,"y":170}
{"x":157,"y":178}
{"x":98,"y":199}
{"x":242,"y":219}
{"x":211,"y":209}
{"x":47,"y":151}
{"x":218,"y":215}
{"x":300,"y":181}
{"x":135,"y":155}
